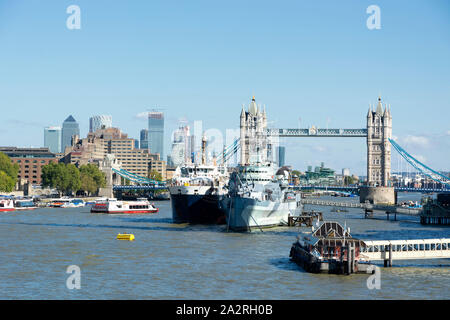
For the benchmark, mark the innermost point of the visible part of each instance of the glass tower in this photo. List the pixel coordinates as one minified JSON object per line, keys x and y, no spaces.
{"x":144,"y":139}
{"x":69,"y":128}
{"x":52,"y":139}
{"x":99,"y":122}
{"x":156,"y":133}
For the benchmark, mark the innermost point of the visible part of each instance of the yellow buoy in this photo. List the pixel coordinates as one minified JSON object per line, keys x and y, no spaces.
{"x":125,"y":236}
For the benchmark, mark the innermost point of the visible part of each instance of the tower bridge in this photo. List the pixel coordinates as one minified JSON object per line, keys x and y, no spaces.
{"x":314,"y":132}
{"x":256,"y":140}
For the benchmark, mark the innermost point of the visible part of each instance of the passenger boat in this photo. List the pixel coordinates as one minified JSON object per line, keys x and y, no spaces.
{"x":113,"y":205}
{"x":66,"y":203}
{"x":6,"y":205}
{"x":25,"y":204}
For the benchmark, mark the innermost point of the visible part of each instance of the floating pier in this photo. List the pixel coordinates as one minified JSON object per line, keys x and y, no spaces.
{"x":307,"y":218}
{"x":330,"y":249}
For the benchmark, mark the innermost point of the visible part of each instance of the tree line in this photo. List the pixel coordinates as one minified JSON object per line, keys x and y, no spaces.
{"x":68,"y":179}
{"x":8,"y":173}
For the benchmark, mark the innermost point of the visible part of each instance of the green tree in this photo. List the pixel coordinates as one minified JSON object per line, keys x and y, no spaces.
{"x":65,"y":178}
{"x":8,"y":173}
{"x":74,"y":176}
{"x":92,"y":178}
{"x":296,"y":172}
{"x":155,"y":175}
{"x":88,"y":184}
{"x":349,"y":180}
{"x":7,"y":183}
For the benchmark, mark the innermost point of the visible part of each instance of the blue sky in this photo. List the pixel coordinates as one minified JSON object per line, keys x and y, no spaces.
{"x":310,"y":60}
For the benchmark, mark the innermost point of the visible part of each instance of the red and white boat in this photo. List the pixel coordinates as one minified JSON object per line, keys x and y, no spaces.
{"x":7,"y":205}
{"x":115,"y":206}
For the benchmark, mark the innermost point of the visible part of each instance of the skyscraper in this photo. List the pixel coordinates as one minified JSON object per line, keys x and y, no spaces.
{"x":181,"y":146}
{"x":99,"y":122}
{"x":156,"y":132}
{"x":52,"y":139}
{"x":144,"y":139}
{"x":69,"y":128}
{"x":281,"y":151}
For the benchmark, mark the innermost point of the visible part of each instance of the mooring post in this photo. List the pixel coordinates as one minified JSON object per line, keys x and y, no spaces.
{"x":353,"y":257}
{"x":390,"y":255}
{"x":348,"y":259}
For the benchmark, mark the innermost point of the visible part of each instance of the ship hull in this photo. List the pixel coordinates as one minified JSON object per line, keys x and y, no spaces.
{"x":196,"y":208}
{"x":245,"y":214}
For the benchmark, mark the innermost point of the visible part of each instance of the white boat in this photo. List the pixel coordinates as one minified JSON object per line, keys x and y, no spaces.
{"x":113,"y":205}
{"x":66,"y":203}
{"x":6,"y":205}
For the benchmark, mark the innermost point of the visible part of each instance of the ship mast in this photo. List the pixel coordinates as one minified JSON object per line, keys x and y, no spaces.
{"x":203,"y":150}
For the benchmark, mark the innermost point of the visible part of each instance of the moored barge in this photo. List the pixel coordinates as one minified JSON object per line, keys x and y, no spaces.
{"x":329,"y":249}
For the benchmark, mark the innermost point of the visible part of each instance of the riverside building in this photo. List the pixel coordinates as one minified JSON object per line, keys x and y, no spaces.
{"x":30,"y":161}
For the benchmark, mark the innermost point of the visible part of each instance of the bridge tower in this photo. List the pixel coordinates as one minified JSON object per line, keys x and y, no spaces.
{"x":253,"y":134}
{"x":379,"y":131}
{"x":107,"y":165}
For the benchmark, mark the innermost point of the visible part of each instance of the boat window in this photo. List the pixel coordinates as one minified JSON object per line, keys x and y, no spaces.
{"x":416,"y":247}
{"x":421,"y":246}
{"x":433,"y":246}
{"x":444,"y":246}
{"x":410,"y":247}
{"x":375,"y":249}
{"x":438,"y":246}
{"x":427,"y":246}
{"x":399,"y":247}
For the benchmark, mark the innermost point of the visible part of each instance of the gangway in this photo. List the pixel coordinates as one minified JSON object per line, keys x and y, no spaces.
{"x":419,"y":249}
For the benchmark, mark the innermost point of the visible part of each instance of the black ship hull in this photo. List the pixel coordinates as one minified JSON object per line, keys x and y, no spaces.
{"x":197,"y":209}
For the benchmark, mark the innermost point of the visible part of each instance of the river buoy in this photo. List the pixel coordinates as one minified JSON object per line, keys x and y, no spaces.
{"x":125,"y":236}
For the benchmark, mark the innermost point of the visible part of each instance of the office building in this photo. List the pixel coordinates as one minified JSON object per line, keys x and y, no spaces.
{"x":281,"y":151}
{"x":99,"y":144}
{"x":181,"y":146}
{"x":70,"y":128}
{"x":158,"y":165}
{"x":144,"y":139}
{"x":30,"y":161}
{"x":100,"y":122}
{"x":52,"y":139}
{"x":156,"y":132}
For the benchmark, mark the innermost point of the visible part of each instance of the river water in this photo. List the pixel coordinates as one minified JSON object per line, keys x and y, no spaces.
{"x":181,"y":261}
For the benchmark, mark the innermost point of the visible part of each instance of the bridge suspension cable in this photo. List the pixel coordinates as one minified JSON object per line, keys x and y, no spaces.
{"x":422,"y":168}
{"x":229,"y":151}
{"x":136,"y":178}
